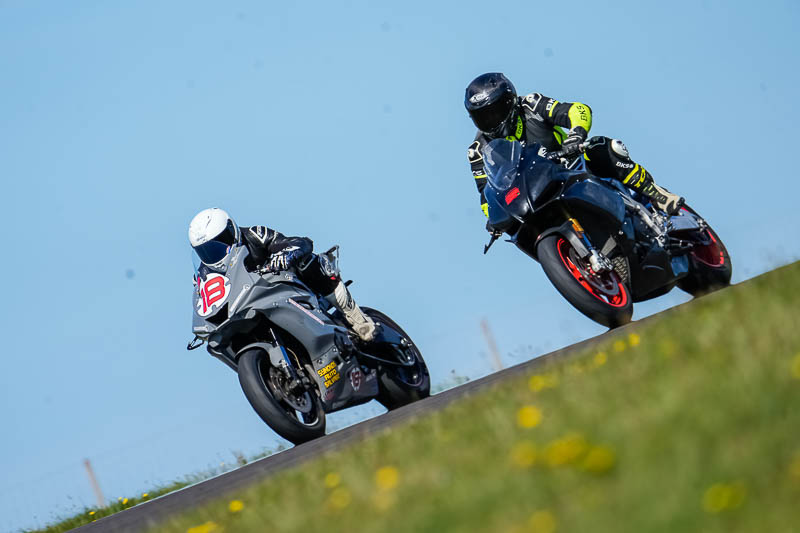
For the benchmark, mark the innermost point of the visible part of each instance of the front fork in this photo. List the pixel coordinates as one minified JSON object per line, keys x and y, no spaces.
{"x":297,"y":382}
{"x":574,"y":233}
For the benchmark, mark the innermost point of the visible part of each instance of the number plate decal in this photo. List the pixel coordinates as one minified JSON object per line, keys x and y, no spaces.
{"x":214,"y":290}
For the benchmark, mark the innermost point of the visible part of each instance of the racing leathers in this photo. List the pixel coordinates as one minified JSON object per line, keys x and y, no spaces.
{"x":273,"y":250}
{"x":540,"y":119}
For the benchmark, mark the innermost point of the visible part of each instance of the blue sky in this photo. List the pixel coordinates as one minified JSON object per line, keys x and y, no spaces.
{"x":343,"y":122}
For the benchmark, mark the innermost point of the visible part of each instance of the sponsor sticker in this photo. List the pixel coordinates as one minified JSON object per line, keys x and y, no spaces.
{"x":356,"y":378}
{"x":329,"y":373}
{"x":478,"y":98}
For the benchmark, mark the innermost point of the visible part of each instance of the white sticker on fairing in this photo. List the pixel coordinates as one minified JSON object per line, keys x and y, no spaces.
{"x":214,"y":290}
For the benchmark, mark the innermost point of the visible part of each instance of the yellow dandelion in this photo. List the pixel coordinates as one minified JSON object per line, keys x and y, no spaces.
{"x":794,"y":466}
{"x":523,"y":454}
{"x":565,"y":450}
{"x":332,"y":480}
{"x":91,"y":513}
{"x":208,"y":527}
{"x":340,"y":498}
{"x":551,"y":379}
{"x":598,"y":459}
{"x":542,"y":522}
{"x":125,"y":501}
{"x":721,"y":496}
{"x":387,"y":477}
{"x":634,"y":340}
{"x":796,"y":366}
{"x":619,"y":345}
{"x":529,"y":416}
{"x":537,"y":383}
{"x":715,"y":499}
{"x":145,"y":495}
{"x":235,"y":506}
{"x":600,"y":358}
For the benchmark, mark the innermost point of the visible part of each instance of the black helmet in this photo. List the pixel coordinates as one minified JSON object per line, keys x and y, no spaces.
{"x":491,"y":103}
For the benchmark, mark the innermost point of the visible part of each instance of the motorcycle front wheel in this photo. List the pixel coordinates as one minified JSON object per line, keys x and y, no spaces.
{"x":297,"y":416}
{"x":603,"y":297}
{"x":400,"y":385}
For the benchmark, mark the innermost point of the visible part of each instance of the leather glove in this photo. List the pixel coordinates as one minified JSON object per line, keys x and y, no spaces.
{"x":284,"y":259}
{"x":572,"y":144}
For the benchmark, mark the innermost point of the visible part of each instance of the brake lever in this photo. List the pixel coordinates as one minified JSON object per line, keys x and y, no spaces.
{"x":193,"y":344}
{"x":495,"y":235}
{"x":560,"y":155}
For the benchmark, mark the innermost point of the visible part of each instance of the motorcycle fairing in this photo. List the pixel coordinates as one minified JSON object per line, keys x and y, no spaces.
{"x":596,"y":198}
{"x":284,"y":301}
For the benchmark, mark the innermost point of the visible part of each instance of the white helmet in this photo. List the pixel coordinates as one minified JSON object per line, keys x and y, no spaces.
{"x":212,"y":234}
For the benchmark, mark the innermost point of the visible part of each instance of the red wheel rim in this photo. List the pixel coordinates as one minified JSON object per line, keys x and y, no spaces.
{"x":710,"y":254}
{"x":618,"y":297}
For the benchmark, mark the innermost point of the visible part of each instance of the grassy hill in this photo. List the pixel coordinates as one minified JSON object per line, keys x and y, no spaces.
{"x":686,"y":423}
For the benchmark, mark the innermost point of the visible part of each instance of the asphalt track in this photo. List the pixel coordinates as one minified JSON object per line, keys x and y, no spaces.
{"x":150,"y":513}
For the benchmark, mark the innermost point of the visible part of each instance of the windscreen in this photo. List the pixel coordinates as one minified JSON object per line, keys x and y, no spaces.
{"x":501,"y":159}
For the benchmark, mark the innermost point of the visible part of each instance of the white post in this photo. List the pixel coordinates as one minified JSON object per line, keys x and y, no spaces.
{"x":487,"y":333}
{"x":101,"y":502}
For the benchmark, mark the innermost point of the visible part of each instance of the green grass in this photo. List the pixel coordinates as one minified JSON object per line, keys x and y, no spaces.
{"x":692,"y":423}
{"x":90,"y":514}
{"x":688,"y":424}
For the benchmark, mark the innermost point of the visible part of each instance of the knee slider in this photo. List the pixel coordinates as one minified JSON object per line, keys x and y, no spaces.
{"x":328,"y":267}
{"x":619,"y":148}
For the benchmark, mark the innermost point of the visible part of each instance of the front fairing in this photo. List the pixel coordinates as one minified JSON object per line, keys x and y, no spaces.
{"x":544,"y":179}
{"x":217,"y":293}
{"x":515,"y":193}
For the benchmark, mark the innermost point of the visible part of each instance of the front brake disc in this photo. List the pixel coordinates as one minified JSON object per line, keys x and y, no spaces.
{"x":279,"y":387}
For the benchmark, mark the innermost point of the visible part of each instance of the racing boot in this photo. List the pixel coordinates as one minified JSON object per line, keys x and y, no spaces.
{"x":363,"y":325}
{"x":670,"y":203}
{"x":641,"y":181}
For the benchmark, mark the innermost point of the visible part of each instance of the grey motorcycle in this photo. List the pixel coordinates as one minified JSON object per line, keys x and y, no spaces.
{"x":294,"y":353}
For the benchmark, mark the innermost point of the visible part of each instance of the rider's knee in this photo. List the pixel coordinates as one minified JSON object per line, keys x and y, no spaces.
{"x":319,"y":274}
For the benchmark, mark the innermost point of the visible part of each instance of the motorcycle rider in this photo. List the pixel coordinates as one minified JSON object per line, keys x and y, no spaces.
{"x":214,"y":235}
{"x":494,"y":107}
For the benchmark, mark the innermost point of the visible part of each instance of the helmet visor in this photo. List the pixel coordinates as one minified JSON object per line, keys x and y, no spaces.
{"x":489,"y":118}
{"x":215,"y":250}
{"x":212,"y":252}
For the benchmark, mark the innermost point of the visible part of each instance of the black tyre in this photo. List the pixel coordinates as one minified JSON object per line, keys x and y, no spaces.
{"x":295,"y":417}
{"x":602,"y":297}
{"x":710,"y":266}
{"x":400,"y":385}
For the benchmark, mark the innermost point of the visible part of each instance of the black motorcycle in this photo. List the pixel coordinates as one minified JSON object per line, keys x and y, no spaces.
{"x":602,"y":245}
{"x":296,"y":357}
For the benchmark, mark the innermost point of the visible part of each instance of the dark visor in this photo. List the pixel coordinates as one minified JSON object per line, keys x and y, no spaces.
{"x":490,"y":117}
{"x":215,"y":250}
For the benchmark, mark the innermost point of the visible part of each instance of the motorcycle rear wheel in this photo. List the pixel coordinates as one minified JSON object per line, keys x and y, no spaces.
{"x":297,"y":418}
{"x":401,"y":385}
{"x":710,"y":266}
{"x":602,"y":297}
